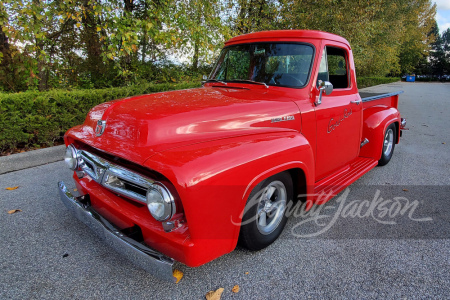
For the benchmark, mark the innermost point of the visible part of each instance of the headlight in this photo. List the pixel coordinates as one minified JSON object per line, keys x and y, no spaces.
{"x":160,"y":202}
{"x":71,"y":157}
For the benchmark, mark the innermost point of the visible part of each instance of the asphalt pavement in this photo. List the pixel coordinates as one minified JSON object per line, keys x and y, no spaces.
{"x":398,"y":250}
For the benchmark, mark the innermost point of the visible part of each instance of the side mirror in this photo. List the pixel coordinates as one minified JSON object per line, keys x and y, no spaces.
{"x":324,"y":86}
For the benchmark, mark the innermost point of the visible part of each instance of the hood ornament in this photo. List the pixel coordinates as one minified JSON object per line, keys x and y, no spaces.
{"x":100,"y":128}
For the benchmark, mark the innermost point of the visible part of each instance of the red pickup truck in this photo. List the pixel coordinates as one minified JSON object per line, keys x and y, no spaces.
{"x":186,"y":175}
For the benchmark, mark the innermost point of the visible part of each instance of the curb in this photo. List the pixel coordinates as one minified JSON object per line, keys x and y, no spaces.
{"x":20,"y":161}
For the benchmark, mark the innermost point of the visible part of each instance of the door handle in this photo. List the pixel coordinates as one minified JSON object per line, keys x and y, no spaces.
{"x":357,"y":102}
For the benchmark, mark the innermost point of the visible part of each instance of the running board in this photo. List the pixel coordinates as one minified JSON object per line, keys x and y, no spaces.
{"x":332,"y":185}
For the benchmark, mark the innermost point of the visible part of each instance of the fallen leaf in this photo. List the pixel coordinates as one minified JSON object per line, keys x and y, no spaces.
{"x":214,"y":295}
{"x":443,"y":143}
{"x":246,"y":273}
{"x":405,"y":190}
{"x":12,"y":188}
{"x":235,"y":289}
{"x":178,"y":275}
{"x":14,"y":211}
{"x":74,"y":190}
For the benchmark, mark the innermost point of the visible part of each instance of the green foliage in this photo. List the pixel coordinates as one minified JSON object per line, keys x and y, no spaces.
{"x":371,"y":81}
{"x":43,"y":117}
{"x":439,"y":60}
{"x":376,"y":30}
{"x":97,"y":44}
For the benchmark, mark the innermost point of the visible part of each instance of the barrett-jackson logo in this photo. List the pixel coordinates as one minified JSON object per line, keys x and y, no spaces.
{"x":335,"y":122}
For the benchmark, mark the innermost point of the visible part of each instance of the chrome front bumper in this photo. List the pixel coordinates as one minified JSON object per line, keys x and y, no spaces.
{"x":148,"y":259}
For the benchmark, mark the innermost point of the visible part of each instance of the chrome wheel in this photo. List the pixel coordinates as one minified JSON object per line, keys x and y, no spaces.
{"x":388,"y":142}
{"x":271,"y":207}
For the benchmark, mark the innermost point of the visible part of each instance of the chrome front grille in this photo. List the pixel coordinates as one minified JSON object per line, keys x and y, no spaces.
{"x":113,"y":177}
{"x":92,"y":165}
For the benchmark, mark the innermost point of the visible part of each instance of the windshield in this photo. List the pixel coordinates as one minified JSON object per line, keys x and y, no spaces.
{"x":275,"y":64}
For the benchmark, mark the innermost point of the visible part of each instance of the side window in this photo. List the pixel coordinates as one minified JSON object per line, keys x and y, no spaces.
{"x":334,"y":67}
{"x":337,"y":67}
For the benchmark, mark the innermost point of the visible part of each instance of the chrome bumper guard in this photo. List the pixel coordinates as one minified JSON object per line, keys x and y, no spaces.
{"x":148,"y":259}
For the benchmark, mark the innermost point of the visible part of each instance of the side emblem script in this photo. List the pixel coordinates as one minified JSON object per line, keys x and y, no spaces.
{"x":100,"y":128}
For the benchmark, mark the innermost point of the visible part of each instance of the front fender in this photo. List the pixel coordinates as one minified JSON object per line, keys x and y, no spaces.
{"x":376,"y":121}
{"x":214,"y":179}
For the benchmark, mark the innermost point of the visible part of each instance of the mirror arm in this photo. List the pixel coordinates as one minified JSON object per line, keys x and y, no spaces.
{"x":324,"y":86}
{"x":321,"y":89}
{"x":319,"y":100}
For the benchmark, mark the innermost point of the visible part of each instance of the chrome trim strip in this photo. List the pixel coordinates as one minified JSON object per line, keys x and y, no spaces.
{"x":139,"y":254}
{"x":379,"y":96}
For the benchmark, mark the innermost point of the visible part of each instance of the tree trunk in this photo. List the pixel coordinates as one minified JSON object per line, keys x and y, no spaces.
{"x":195,"y":58}
{"x":243,"y":14}
{"x":92,"y":42}
{"x":6,"y":66}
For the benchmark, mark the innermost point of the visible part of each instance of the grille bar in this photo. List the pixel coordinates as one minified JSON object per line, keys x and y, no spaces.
{"x":115,"y":178}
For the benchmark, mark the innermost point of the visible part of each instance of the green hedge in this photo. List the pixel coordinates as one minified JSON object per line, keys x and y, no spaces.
{"x":33,"y":119}
{"x":371,"y":81}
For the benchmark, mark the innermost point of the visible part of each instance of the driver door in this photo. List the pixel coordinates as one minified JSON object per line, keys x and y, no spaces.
{"x":339,"y":116}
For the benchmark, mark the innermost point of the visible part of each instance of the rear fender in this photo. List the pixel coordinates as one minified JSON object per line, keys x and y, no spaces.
{"x":214,"y":179}
{"x":376,"y":121}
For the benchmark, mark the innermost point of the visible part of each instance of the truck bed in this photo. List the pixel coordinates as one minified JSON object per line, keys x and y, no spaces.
{"x":372,"y":99}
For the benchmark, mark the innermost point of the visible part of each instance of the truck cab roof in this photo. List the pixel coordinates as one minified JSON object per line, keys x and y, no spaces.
{"x":285,"y":35}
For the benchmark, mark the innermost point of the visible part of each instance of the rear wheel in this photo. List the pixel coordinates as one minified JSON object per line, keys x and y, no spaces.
{"x":265,"y":212}
{"x":388,"y":145}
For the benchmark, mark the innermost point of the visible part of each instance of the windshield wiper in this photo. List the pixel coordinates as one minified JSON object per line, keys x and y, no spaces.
{"x":215,"y":80}
{"x":250,"y":81}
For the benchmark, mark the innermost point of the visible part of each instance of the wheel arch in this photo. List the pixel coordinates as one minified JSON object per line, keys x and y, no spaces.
{"x":300,"y":173}
{"x":227,"y":171}
{"x":376,"y":121}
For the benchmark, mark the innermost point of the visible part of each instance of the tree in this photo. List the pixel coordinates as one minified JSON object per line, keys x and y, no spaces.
{"x":418,"y":36}
{"x":199,"y":28}
{"x":98,"y":43}
{"x":440,"y":55}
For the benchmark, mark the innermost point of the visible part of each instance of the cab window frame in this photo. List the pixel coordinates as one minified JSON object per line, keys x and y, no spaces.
{"x":335,"y":53}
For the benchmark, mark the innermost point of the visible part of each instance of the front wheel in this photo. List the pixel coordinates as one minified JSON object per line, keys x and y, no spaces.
{"x":388,"y":145}
{"x":265,"y":212}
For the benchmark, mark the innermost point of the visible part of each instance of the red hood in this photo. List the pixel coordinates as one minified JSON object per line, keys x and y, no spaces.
{"x":137,"y":127}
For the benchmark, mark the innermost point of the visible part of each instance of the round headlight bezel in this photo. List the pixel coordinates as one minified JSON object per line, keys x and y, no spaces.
{"x":166,"y":200}
{"x":71,"y":154}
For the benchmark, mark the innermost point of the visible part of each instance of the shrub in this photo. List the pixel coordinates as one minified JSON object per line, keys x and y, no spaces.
{"x":371,"y":81}
{"x":41,"y":118}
